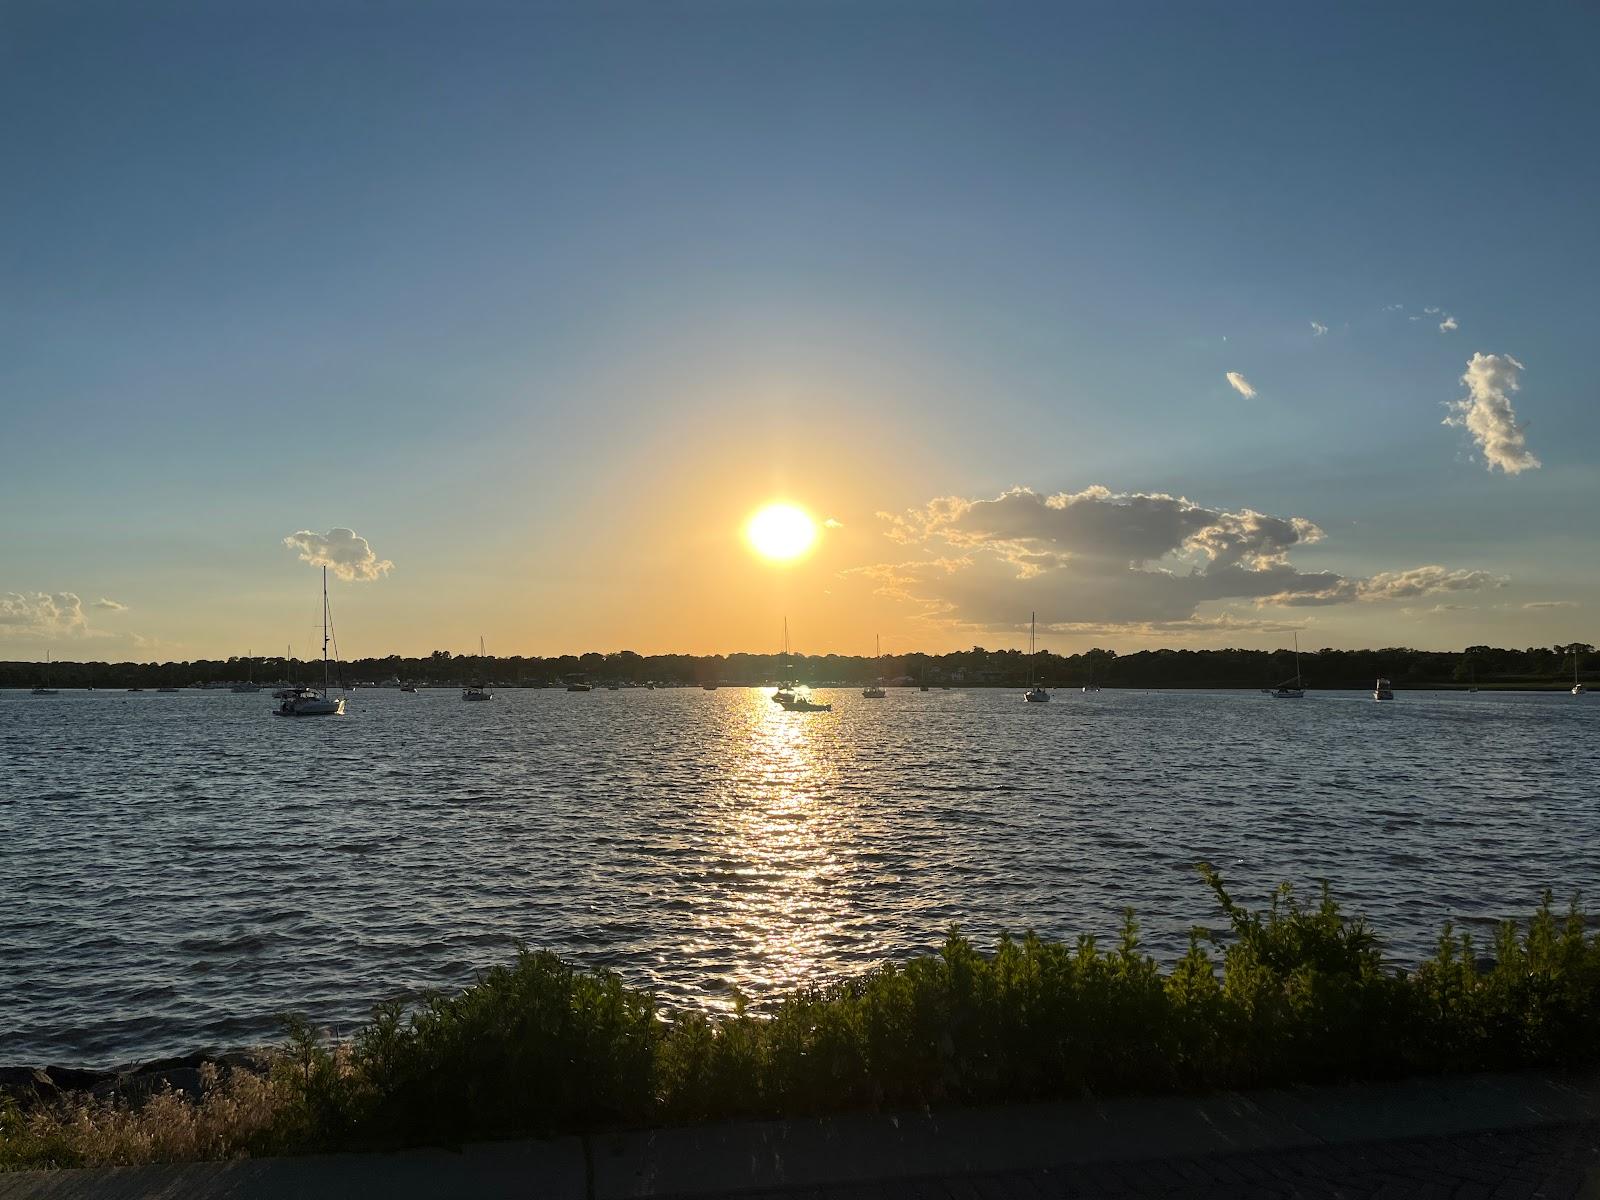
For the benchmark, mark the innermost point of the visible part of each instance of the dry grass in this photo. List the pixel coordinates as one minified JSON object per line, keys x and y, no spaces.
{"x":237,"y":1114}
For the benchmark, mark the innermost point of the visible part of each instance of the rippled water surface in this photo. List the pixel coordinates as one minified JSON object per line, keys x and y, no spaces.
{"x":175,"y":870}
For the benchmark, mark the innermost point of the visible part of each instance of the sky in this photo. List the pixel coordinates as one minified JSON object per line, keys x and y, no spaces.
{"x":1185,"y":324}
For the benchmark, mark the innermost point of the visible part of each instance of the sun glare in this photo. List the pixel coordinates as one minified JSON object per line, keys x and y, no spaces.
{"x":781,"y":532}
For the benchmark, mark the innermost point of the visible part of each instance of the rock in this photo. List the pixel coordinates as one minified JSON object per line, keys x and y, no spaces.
{"x":72,"y":1079}
{"x":25,"y":1083}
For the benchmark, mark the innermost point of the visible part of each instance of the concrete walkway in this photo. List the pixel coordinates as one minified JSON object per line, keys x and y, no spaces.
{"x":1520,"y":1135}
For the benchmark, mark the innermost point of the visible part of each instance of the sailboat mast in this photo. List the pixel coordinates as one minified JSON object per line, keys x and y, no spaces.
{"x":1033,"y":645}
{"x":1297,"y":682}
{"x":324,"y":630}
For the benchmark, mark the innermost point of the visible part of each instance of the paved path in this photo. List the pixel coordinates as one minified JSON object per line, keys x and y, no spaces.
{"x":1502,"y":1136}
{"x":1554,"y":1162}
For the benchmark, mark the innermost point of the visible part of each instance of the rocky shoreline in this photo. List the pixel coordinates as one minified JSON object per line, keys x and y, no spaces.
{"x":29,"y":1086}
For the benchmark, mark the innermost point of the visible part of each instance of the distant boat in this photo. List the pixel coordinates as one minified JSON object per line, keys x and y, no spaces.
{"x":167,"y":689}
{"x":307,"y":701}
{"x":1291,"y":689}
{"x":1382,"y":690}
{"x":249,"y":684}
{"x":579,"y":684}
{"x":708,"y":686}
{"x":133,"y":689}
{"x":786,"y":694}
{"x":43,"y":687}
{"x":1035,"y":693}
{"x":805,"y":704}
{"x":1472,"y":675}
{"x":479,"y":690}
{"x":409,"y":687}
{"x":875,"y":691}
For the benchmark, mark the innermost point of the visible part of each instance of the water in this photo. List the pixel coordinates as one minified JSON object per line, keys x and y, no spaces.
{"x":176,"y":870}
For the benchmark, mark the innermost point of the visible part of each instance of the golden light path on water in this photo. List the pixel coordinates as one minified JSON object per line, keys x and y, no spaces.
{"x":785,"y":838}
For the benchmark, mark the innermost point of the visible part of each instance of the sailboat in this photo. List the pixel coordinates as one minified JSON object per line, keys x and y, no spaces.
{"x":44,"y":688}
{"x":479,"y":690}
{"x":1578,"y":688}
{"x":1291,"y":689}
{"x":1472,"y":672}
{"x":1035,"y":693}
{"x":249,"y":684}
{"x":308,"y":701}
{"x":875,"y":691}
{"x":786,"y":695}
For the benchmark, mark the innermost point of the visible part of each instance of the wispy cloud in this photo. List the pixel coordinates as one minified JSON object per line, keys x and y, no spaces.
{"x":1486,"y":412}
{"x":109,"y":605}
{"x":1448,"y":325}
{"x":1241,"y":385}
{"x":1551,"y":604}
{"x":342,"y":551}
{"x":1318,"y":329}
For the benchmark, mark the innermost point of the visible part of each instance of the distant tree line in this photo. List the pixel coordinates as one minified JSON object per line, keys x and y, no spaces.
{"x":1486,"y":666}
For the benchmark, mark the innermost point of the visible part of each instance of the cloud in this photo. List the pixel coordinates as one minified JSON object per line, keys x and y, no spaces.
{"x":1486,"y":412}
{"x":1102,"y":559}
{"x":1241,"y":385}
{"x":1448,"y":325}
{"x":342,"y":551}
{"x":47,"y":614}
{"x":110,"y":605}
{"x":1318,"y":329}
{"x":1551,"y":604}
{"x":1431,"y":310}
{"x":831,"y":523}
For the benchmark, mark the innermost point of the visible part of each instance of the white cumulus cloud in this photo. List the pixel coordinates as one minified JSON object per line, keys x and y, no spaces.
{"x":1241,"y":385}
{"x":47,"y":614}
{"x":342,"y":551}
{"x":1486,"y":412}
{"x":1318,"y":329}
{"x":1448,"y":325}
{"x":1103,"y":559}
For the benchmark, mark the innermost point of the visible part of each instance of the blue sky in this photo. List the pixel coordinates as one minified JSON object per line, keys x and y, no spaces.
{"x":543,"y":299}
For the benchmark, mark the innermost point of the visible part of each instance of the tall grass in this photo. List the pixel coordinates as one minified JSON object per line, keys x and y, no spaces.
{"x":1295,"y":992}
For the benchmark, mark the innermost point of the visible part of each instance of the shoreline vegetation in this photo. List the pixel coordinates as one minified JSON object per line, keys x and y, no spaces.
{"x":1486,"y":667}
{"x":1297,"y":992}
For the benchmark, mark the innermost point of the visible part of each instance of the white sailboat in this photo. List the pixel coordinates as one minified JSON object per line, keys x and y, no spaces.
{"x":43,"y":687}
{"x":308,"y":701}
{"x":479,"y":690}
{"x":1291,"y":689}
{"x":1035,"y":693}
{"x":249,"y":684}
{"x":875,"y":691}
{"x":1578,"y":689}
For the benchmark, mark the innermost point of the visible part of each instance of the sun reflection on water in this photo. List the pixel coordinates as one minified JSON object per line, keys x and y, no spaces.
{"x":783,"y":839}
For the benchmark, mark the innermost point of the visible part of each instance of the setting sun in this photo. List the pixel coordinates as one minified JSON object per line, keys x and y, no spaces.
{"x":781,"y":532}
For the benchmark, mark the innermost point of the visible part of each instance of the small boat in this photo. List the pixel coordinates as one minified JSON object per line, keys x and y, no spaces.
{"x":479,"y":690}
{"x":308,"y":701}
{"x":786,"y":693}
{"x":1382,"y":691}
{"x":875,"y":690}
{"x":409,"y":687}
{"x":136,"y":689}
{"x":1578,"y":689}
{"x":805,"y":704}
{"x":1291,"y":689}
{"x":613,"y":687}
{"x":43,"y":687}
{"x":1035,"y":694}
{"x":708,"y":687}
{"x":167,"y":689}
{"x":580,"y":685}
{"x":249,"y":684}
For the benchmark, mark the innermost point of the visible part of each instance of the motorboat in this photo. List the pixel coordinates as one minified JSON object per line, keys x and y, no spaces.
{"x":805,"y":704}
{"x":1382,"y":690}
